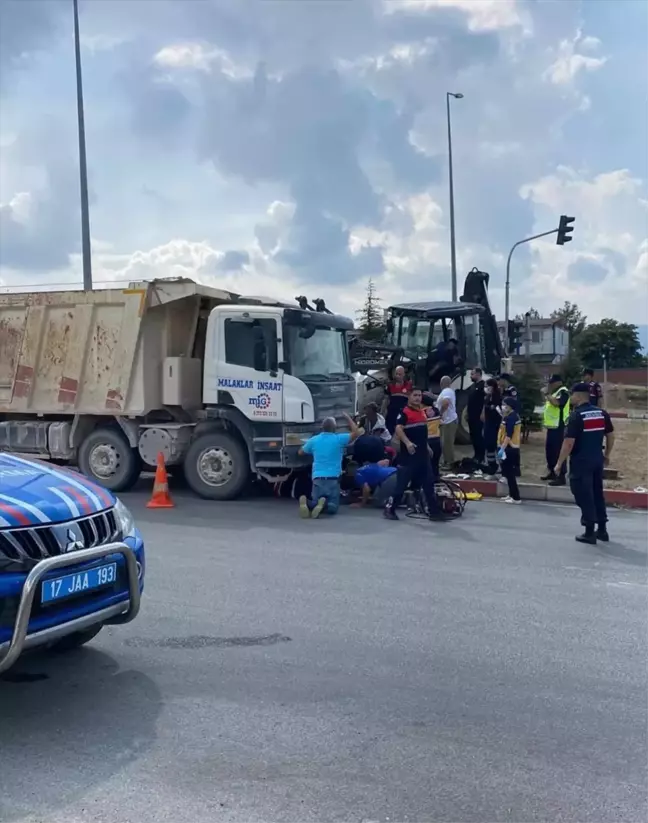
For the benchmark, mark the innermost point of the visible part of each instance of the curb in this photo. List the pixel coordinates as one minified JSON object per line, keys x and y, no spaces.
{"x":631,"y":415}
{"x":553,"y":494}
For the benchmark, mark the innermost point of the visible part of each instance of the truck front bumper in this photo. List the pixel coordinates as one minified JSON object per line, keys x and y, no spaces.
{"x":122,"y":611}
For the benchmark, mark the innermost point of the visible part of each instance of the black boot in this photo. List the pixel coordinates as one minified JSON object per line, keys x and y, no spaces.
{"x":602,"y":534}
{"x":557,"y":481}
{"x":588,"y":536}
{"x":549,"y":476}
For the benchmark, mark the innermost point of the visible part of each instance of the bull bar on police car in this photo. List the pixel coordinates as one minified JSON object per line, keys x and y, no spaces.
{"x":122,"y":612}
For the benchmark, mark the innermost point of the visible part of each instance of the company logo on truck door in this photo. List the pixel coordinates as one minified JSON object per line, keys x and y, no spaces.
{"x":264,"y":385}
{"x":261,"y":405}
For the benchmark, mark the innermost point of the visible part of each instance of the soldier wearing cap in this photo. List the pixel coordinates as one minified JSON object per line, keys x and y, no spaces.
{"x":588,"y":429}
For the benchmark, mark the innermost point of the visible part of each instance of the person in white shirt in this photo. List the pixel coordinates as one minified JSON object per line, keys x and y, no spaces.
{"x":447,"y":405}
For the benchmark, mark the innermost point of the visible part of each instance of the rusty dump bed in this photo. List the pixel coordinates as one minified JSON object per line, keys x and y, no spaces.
{"x":97,"y":352}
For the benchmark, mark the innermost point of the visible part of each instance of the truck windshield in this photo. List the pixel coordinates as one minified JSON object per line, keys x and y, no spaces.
{"x":321,"y":356}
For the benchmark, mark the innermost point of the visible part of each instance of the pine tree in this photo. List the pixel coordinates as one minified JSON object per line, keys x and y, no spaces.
{"x":370,"y":316}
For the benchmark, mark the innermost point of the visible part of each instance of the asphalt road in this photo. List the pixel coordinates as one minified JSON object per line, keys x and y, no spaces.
{"x":348,"y":670}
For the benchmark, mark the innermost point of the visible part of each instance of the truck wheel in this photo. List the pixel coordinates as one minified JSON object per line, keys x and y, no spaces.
{"x":106,"y":456}
{"x":217,"y":466}
{"x":75,"y":640}
{"x":463,"y":432}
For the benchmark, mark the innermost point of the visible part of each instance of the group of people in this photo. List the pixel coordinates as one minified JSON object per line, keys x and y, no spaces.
{"x":423,"y":427}
{"x":376,"y":469}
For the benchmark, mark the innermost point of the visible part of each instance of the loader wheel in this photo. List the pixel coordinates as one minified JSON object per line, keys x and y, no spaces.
{"x":107,"y":458}
{"x":217,"y":466}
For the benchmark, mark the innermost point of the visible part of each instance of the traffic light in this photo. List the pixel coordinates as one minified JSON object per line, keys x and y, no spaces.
{"x":514,"y":336}
{"x":564,"y":230}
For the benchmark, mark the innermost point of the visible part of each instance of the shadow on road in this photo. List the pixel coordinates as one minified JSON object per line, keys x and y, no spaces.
{"x":56,"y":714}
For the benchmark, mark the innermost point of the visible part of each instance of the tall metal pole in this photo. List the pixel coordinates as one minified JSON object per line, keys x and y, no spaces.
{"x":508,"y":270}
{"x":453,"y":250}
{"x":83,"y":169}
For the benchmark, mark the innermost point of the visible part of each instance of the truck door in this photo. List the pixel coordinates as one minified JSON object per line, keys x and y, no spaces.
{"x":248,"y":373}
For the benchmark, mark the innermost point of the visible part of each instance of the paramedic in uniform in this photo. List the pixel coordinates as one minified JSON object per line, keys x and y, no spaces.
{"x":588,"y":428}
{"x":415,"y":465}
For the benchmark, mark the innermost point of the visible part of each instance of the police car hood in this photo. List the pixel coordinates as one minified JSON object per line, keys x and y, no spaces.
{"x":33,"y":493}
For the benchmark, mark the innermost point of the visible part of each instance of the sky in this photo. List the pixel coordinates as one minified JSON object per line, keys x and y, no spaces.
{"x":287,"y":147}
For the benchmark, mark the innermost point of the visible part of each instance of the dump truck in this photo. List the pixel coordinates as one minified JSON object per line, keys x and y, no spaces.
{"x":226,"y":387}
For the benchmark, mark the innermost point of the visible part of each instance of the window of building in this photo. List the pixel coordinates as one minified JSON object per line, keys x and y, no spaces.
{"x":535,"y":337}
{"x":245,"y":346}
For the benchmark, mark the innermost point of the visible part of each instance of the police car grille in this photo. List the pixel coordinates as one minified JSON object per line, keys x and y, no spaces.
{"x":48,"y":541}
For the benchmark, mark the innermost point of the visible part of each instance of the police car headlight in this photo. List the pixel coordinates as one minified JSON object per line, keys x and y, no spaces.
{"x":124,"y":520}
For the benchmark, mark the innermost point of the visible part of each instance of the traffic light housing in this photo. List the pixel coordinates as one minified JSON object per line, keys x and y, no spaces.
{"x":514,"y":334}
{"x":564,"y":230}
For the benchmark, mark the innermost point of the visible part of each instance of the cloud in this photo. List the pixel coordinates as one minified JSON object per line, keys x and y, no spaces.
{"x":570,"y":60}
{"x":25,"y":28}
{"x":304,"y":145}
{"x":483,"y":15}
{"x":604,"y":268}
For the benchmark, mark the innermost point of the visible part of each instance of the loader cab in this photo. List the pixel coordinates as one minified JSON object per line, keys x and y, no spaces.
{"x":419,"y":328}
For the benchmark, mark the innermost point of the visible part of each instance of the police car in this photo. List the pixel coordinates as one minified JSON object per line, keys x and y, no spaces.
{"x":71,"y":558}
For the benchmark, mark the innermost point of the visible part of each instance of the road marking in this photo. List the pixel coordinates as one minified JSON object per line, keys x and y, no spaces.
{"x":632,"y":585}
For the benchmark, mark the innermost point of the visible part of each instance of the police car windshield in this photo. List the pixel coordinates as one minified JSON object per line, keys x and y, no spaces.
{"x":322,"y":356}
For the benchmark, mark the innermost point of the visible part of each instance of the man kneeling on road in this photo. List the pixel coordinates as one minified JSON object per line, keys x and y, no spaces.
{"x":415,"y":463}
{"x":327,"y":450}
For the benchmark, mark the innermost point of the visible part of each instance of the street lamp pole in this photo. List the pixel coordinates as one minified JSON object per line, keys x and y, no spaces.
{"x":83,"y":169}
{"x":453,"y":250}
{"x":508,"y":270}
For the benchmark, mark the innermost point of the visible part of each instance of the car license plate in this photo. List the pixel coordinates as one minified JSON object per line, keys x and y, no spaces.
{"x":73,"y":585}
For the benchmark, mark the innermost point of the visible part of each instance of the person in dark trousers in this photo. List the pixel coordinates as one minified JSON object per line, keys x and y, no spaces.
{"x":415,"y":465}
{"x":434,"y":432}
{"x":492,"y":418}
{"x":474,"y":409}
{"x":509,"y":448}
{"x":595,"y":390}
{"x":509,"y":390}
{"x":554,"y":419}
{"x":588,"y":428}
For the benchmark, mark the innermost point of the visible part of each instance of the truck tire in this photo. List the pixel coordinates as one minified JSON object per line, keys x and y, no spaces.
{"x":76,"y":640}
{"x":106,"y":457}
{"x":463,"y":433}
{"x":217,"y":466}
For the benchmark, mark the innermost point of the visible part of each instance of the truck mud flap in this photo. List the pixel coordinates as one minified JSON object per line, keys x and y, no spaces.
{"x":120,"y":613}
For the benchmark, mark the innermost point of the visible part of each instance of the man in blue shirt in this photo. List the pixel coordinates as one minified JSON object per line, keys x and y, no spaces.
{"x":327,"y":450}
{"x":588,"y":428}
{"x":374,"y":479}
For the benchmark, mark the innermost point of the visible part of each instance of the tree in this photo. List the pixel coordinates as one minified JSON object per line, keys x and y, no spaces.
{"x":529,"y":386}
{"x":370,"y":316}
{"x":571,"y":318}
{"x":534,"y":314}
{"x":618,"y":342}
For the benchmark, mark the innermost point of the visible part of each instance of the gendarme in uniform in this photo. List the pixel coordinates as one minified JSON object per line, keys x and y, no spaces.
{"x":588,"y":428}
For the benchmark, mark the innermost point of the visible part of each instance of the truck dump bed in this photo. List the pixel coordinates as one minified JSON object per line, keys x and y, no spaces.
{"x":97,"y":352}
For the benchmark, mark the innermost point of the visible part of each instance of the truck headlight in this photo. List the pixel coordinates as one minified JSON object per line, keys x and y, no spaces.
{"x":296,"y":438}
{"x":124,"y":519}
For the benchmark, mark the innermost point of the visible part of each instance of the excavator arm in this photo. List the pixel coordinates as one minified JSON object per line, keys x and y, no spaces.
{"x":476,"y":291}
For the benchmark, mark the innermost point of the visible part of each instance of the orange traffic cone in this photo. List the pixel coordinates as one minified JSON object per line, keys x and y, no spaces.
{"x":160,"y":499}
